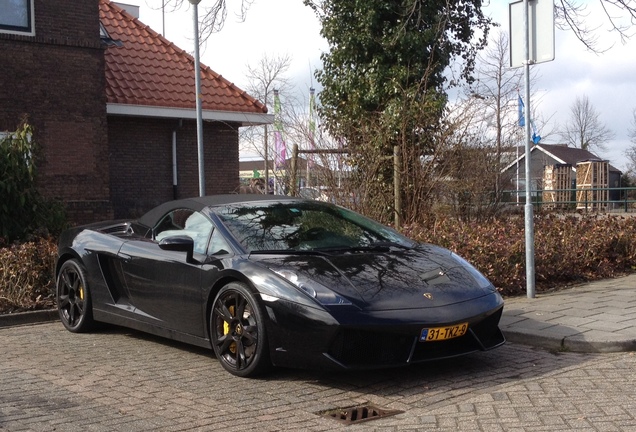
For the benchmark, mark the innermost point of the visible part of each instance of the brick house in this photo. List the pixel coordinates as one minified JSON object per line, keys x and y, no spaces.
{"x":112,"y":104}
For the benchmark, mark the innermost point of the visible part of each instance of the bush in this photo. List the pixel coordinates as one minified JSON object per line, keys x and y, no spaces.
{"x":27,"y":275}
{"x":568,"y":249}
{"x":23,"y":211}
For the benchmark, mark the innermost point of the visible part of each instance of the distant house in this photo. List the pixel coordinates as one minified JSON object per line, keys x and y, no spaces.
{"x":548,"y":155}
{"x":113,"y":107}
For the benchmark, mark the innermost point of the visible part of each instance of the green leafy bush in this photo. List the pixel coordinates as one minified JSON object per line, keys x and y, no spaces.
{"x":23,"y":211}
{"x":27,"y":275}
{"x":568,"y":249}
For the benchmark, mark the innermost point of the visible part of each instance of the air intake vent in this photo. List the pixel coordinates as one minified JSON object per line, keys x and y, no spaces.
{"x":116,"y":229}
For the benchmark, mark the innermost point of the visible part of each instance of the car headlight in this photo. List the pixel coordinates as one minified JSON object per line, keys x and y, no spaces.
{"x":315,"y":290}
{"x":481,"y":280}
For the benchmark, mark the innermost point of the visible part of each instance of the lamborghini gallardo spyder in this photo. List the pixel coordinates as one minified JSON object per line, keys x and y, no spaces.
{"x":269,"y":280}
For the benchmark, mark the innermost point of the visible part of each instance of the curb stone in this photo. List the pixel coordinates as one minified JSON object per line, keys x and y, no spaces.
{"x":31,"y":317}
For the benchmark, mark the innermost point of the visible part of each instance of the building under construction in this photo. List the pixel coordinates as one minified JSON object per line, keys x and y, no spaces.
{"x":589,"y":181}
{"x":592,"y":185}
{"x":557,"y":186}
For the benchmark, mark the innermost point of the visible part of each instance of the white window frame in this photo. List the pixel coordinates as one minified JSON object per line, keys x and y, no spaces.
{"x":25,"y":31}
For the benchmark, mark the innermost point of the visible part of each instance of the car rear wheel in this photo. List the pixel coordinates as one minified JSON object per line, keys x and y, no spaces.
{"x":237,"y":331}
{"x":73,"y":298}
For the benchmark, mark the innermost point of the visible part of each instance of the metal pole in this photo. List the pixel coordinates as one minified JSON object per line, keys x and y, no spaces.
{"x":294,"y":167}
{"x":174,"y":164}
{"x":529,"y":217}
{"x":397,"y":187}
{"x":266,"y":151}
{"x":163,"y":18}
{"x":197,"y":81}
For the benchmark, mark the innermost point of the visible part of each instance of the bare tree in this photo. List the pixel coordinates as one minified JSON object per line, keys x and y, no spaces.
{"x":630,"y":153}
{"x":632,"y":130}
{"x":569,"y":14}
{"x":212,"y":14}
{"x":572,"y":14}
{"x":584,"y":129}
{"x":265,"y":77}
{"x":495,"y":91}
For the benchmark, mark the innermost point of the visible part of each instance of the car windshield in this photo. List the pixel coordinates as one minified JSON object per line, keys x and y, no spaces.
{"x":305,"y":226}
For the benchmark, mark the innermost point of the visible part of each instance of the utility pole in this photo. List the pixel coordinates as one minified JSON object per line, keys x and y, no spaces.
{"x":197,"y":83}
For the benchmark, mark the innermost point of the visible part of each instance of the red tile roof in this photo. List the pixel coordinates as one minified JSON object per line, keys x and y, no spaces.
{"x":149,"y":70}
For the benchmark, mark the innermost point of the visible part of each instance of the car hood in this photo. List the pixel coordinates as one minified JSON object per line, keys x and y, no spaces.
{"x":426,"y":276}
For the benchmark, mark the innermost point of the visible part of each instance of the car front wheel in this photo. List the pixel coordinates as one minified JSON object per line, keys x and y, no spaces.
{"x":73,"y":298}
{"x":237,"y":331}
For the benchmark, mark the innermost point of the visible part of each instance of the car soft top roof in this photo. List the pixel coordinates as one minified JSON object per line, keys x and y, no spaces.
{"x":152,"y":217}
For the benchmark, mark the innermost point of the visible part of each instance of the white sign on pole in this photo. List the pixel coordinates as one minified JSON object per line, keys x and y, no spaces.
{"x":541,"y":26}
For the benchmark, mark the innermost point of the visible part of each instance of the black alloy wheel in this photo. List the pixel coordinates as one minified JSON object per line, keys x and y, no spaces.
{"x":237,"y":331}
{"x":73,"y":298}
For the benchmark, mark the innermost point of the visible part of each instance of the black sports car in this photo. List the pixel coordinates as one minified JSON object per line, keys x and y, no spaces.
{"x":272,"y":280}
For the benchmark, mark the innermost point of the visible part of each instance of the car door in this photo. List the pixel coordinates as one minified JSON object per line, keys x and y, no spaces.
{"x":164,"y":287}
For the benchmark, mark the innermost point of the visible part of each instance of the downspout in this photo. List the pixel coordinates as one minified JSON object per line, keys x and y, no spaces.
{"x":174,"y":161}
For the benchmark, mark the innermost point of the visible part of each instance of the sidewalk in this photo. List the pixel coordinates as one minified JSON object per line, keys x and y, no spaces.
{"x":594,"y":317}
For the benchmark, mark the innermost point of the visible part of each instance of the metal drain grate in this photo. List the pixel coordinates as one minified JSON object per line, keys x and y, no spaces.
{"x":359,"y":413}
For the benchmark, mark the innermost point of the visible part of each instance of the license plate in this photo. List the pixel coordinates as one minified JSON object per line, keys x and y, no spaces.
{"x":443,"y":333}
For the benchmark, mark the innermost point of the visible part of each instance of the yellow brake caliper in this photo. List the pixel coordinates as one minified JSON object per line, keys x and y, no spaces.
{"x":226,"y":330}
{"x":81,"y":292}
{"x":226,"y":325}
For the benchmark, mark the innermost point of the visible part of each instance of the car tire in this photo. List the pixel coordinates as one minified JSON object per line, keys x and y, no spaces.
{"x":237,"y":331}
{"x":73,"y":298}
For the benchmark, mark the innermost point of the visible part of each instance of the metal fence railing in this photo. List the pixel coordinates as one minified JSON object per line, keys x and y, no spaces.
{"x":582,"y":199}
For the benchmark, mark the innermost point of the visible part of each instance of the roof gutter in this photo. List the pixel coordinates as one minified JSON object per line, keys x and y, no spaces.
{"x":243,"y":118}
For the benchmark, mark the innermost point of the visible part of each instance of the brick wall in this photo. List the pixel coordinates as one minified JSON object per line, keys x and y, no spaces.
{"x":101,"y":168}
{"x":141,"y":161}
{"x":56,"y":79}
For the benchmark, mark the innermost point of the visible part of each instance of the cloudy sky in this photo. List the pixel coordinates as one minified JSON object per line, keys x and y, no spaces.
{"x":287,"y":27}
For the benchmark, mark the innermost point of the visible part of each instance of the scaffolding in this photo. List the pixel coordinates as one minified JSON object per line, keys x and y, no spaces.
{"x":557,"y":185}
{"x":592,"y":185}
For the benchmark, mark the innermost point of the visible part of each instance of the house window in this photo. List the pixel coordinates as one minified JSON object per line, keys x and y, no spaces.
{"x":16,"y":16}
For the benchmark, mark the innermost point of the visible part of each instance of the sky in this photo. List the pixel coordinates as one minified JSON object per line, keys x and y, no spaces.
{"x":287,"y":27}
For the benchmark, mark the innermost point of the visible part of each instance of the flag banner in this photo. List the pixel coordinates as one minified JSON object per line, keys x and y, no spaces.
{"x":278,"y":124}
{"x":312,"y":124}
{"x":280,"y":147}
{"x":535,"y":135}
{"x":522,"y":121}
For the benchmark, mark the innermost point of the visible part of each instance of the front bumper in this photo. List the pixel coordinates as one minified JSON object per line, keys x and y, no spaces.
{"x":349,"y":339}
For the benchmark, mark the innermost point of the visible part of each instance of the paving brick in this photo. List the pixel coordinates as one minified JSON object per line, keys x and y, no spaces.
{"x":129,"y":381}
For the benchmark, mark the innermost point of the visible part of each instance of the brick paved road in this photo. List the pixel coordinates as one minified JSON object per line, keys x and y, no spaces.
{"x":52,"y":380}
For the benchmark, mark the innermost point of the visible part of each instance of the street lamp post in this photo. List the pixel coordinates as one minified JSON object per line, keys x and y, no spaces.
{"x":197,"y":83}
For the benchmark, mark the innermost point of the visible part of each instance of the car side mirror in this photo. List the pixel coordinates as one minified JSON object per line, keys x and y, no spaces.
{"x":179,"y":243}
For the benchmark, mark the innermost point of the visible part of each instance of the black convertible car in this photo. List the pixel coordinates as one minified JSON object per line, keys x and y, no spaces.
{"x":271,"y":280}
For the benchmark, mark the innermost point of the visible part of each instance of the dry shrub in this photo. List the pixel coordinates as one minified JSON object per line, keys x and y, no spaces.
{"x":27,"y":275}
{"x":568,"y":249}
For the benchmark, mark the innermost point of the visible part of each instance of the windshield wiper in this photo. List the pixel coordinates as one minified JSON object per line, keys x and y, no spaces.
{"x":289,"y":252}
{"x":390,"y":244}
{"x":381,"y":246}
